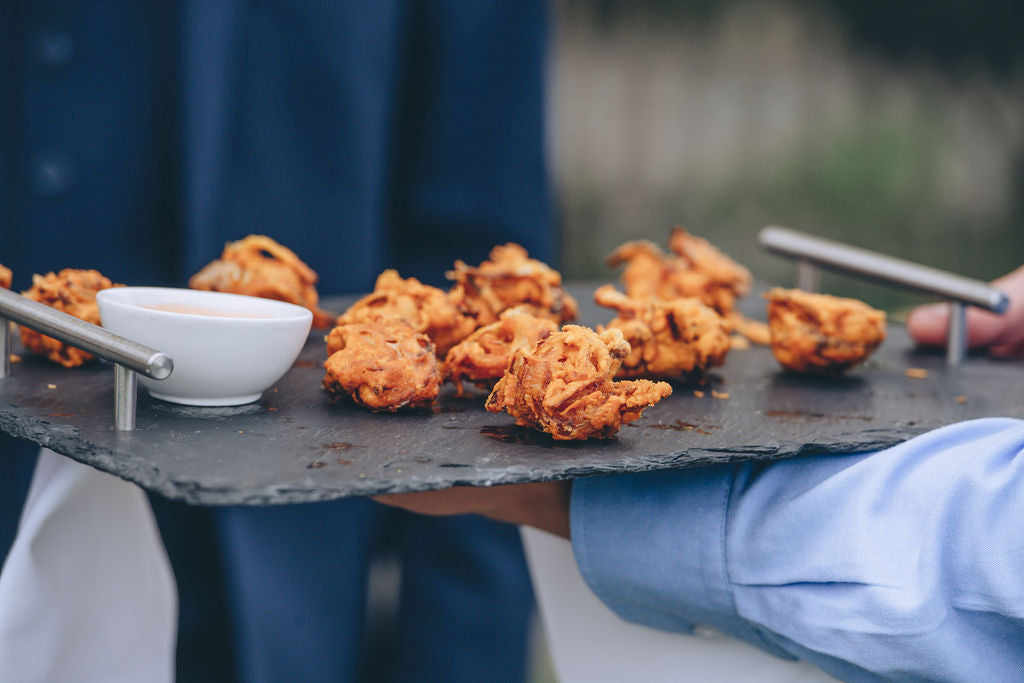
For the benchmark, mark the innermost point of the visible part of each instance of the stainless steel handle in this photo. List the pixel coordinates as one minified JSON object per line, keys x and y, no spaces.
{"x":84,"y":335}
{"x":126,"y":354}
{"x":960,"y":291}
{"x":887,"y":269}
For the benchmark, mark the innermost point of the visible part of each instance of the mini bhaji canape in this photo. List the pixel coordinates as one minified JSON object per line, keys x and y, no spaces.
{"x":564,"y":386}
{"x":71,"y":291}
{"x":428,"y":309}
{"x":820,"y":333}
{"x":482,"y":357}
{"x":259,"y":266}
{"x":679,"y":339}
{"x":510,"y":278}
{"x":383,"y":365}
{"x":747,"y":329}
{"x":695,"y":269}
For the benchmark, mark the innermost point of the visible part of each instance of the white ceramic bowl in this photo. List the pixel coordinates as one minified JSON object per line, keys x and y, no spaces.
{"x":227,"y":348}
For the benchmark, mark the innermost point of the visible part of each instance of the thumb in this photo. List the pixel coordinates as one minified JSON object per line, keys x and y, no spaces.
{"x":928,"y":324}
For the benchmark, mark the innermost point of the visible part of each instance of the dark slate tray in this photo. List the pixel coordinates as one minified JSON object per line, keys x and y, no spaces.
{"x":297,"y":446}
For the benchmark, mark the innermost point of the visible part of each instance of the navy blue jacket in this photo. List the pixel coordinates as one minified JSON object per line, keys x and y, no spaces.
{"x":138,"y":138}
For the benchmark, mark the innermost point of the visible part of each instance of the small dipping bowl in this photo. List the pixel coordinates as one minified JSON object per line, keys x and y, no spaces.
{"x":227,"y":348}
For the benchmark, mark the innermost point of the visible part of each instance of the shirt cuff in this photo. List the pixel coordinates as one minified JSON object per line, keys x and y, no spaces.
{"x":651,"y":546}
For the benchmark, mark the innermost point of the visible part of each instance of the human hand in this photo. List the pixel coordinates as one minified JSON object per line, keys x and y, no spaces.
{"x":544,"y":505}
{"x":1002,"y":335}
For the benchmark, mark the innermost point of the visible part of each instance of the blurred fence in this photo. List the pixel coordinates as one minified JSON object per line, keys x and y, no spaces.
{"x":764,"y":112}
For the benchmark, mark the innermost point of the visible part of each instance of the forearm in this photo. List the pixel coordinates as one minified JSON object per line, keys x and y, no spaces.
{"x":903,"y":563}
{"x":544,"y":505}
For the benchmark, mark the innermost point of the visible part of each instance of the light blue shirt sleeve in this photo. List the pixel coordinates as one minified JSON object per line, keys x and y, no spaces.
{"x":905,"y":564}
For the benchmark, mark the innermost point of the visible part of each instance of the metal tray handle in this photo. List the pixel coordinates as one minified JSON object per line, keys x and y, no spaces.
{"x":129,"y":357}
{"x":812,"y":252}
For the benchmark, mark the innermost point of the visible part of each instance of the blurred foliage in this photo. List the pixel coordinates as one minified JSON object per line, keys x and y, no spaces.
{"x":948,"y":33}
{"x":874,"y":186}
{"x":875,"y":183}
{"x":872,"y":174}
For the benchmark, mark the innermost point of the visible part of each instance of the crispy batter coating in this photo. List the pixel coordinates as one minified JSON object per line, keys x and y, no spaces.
{"x":382,"y":364}
{"x":73,"y":292}
{"x":727,"y":279}
{"x":426,"y":308}
{"x":697,"y":269}
{"x":751,"y":330}
{"x":510,"y":278}
{"x":738,"y":342}
{"x":259,"y":266}
{"x":678,"y":339}
{"x":820,"y":333}
{"x":483,"y":356}
{"x":5,"y":276}
{"x":648,"y":270}
{"x":563,"y":386}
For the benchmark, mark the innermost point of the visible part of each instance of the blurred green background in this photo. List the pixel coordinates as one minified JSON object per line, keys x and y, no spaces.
{"x":896,"y":126}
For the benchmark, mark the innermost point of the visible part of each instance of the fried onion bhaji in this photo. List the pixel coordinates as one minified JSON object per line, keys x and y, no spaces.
{"x":678,"y":339}
{"x":510,"y":278}
{"x":820,"y":333}
{"x":259,"y":266}
{"x":483,"y":356}
{"x":751,"y":330}
{"x":726,"y":279}
{"x":73,"y":292}
{"x":697,"y":268}
{"x":384,"y":365}
{"x":428,"y":309}
{"x":563,"y":386}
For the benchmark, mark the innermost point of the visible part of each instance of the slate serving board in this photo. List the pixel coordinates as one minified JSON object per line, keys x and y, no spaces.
{"x":295,"y":445}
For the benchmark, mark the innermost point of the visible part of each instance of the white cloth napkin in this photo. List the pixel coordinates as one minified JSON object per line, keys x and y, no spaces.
{"x":589,"y":643}
{"x":86,"y":593}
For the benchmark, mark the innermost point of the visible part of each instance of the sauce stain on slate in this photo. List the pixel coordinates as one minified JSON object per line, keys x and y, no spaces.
{"x":406,"y":463}
{"x":33,"y":402}
{"x":441,"y":408}
{"x":339,"y":446}
{"x":451,"y":404}
{"x":817,"y":416}
{"x":680,"y":426}
{"x":532,"y":437}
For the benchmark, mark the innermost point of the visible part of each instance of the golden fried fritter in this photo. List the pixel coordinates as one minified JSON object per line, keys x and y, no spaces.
{"x":426,"y":308}
{"x":259,"y":266}
{"x":510,"y":278}
{"x":697,"y":269}
{"x":648,"y":269}
{"x":5,"y":276}
{"x":382,"y":364}
{"x":563,"y":386}
{"x":73,"y":292}
{"x":820,"y":333}
{"x":727,"y":280}
{"x":751,"y":330}
{"x":483,"y":356}
{"x":677,"y":339}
